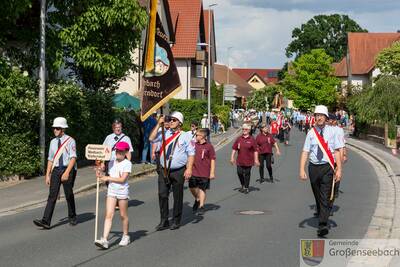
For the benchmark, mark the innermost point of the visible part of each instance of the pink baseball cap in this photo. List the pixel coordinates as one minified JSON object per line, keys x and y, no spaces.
{"x":122,"y":146}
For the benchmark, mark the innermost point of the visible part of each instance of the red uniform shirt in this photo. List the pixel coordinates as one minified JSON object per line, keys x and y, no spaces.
{"x":202,"y":160}
{"x":265,"y":143}
{"x":274,"y":127}
{"x":246,"y":148}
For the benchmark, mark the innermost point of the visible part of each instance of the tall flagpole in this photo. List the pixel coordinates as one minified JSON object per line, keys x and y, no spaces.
{"x":42,"y":84}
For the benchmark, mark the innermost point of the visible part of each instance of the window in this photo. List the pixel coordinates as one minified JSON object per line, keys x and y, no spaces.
{"x":196,"y":94}
{"x":199,"y":71}
{"x":254,"y":80}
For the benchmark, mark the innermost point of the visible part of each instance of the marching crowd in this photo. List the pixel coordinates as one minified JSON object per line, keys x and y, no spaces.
{"x":189,"y":156}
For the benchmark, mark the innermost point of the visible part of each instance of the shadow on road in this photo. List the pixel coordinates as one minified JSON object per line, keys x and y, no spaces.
{"x":134,"y":203}
{"x":190,"y":217}
{"x":80,"y":218}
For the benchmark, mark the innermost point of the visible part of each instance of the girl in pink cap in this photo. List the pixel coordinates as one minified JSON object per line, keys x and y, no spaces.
{"x":118,"y":191}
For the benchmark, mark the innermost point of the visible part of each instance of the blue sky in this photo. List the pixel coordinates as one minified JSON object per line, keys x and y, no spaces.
{"x":260,"y":30}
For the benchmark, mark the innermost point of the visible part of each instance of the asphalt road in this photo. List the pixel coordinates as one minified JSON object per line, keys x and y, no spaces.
{"x":221,"y":237}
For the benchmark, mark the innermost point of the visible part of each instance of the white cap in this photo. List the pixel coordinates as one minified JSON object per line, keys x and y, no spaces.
{"x":60,"y":122}
{"x":321,"y":109}
{"x":177,"y":115}
{"x":204,"y":115}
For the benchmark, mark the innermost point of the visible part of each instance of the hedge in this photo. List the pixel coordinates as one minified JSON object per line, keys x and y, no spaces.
{"x":89,"y":115}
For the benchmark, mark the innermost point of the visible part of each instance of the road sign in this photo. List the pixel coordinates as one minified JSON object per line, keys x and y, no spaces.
{"x":98,"y":152}
{"x":230,"y":98}
{"x":230,"y":90}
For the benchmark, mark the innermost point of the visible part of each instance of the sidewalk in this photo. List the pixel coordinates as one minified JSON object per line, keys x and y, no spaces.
{"x":33,"y":192}
{"x":385,"y":222}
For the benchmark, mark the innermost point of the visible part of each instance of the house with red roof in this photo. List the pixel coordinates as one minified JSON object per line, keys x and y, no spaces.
{"x":258,"y":78}
{"x":358,"y":67}
{"x":190,"y":23}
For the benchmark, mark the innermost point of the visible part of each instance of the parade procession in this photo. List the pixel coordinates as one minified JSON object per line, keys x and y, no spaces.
{"x":199,"y":133}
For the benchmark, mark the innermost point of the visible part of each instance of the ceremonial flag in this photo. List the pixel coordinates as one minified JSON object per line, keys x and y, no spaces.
{"x":161,"y":79}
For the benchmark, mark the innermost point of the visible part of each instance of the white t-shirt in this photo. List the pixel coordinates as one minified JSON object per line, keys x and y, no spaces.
{"x":117,"y":169}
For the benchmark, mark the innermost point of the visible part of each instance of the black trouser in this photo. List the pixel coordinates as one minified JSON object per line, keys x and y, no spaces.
{"x":55,"y":183}
{"x":244,"y":175}
{"x":268,"y":158}
{"x":176,"y":181}
{"x":321,"y":183}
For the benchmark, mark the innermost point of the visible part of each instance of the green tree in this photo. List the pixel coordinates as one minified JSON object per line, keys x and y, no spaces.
{"x":380,"y":102}
{"x":312,"y":81}
{"x":388,"y":60}
{"x":93,"y":39}
{"x":323,"y":31}
{"x":260,"y":98}
{"x":216,"y":93}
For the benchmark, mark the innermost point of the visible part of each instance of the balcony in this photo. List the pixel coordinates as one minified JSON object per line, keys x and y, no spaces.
{"x":197,"y":82}
{"x":201,"y":56}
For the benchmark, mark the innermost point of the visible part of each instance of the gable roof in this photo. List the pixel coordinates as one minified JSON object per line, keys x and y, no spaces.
{"x":187,"y":17}
{"x":247,"y":74}
{"x":363,"y":49}
{"x":220,"y":76}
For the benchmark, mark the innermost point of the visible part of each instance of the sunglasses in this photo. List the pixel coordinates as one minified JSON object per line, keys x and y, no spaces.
{"x":173,"y":120}
{"x":57,"y":128}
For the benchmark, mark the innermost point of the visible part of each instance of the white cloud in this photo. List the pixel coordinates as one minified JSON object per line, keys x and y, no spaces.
{"x":259,"y":36}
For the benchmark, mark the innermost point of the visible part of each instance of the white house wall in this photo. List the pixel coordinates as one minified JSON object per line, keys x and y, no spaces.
{"x":184,"y":71}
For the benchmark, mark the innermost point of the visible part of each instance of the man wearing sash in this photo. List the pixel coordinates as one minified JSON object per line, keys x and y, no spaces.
{"x":322,"y":147}
{"x":179,"y":150}
{"x":61,"y":169}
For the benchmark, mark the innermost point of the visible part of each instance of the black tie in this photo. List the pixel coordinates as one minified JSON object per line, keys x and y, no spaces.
{"x":320,"y":154}
{"x":60,"y":160}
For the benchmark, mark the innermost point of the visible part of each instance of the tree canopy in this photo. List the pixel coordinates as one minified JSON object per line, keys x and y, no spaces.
{"x":388,"y":60}
{"x":323,"y":31}
{"x":261,"y":97}
{"x":92,"y":39}
{"x":312,"y":81}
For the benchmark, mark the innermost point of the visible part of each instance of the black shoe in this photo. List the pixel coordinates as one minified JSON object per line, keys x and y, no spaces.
{"x":331,"y":213}
{"x":271,"y":180}
{"x":323,"y":231}
{"x":175,"y":226}
{"x":246,"y":191}
{"x":241,"y":190}
{"x":196,"y":205}
{"x":262,"y":180}
{"x":41,"y":223}
{"x":162,"y":226}
{"x":201,"y":211}
{"x":316,"y":214}
{"x":73,"y":221}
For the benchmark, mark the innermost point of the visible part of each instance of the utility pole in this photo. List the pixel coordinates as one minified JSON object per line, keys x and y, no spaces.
{"x":227,"y":78}
{"x":42,"y":85}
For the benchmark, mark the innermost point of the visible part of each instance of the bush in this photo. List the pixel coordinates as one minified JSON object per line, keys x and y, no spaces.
{"x":223,"y":114}
{"x":19,"y":109}
{"x":192,"y":110}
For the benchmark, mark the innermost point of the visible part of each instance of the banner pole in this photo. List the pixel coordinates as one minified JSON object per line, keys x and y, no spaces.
{"x":163,"y":148}
{"x":97,"y":202}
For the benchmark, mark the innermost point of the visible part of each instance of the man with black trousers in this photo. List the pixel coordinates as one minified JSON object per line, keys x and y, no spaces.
{"x":179,"y":150}
{"x":322,"y":147}
{"x":61,"y":169}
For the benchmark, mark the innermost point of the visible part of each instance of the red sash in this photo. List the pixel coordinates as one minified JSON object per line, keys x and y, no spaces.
{"x":312,"y":121}
{"x":169,"y":141}
{"x":324,"y":147}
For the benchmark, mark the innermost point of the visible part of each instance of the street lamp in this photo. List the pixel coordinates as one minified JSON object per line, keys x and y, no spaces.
{"x":227,"y":77}
{"x":209,"y":67}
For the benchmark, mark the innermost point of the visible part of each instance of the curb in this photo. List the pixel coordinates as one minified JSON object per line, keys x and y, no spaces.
{"x":83,"y":189}
{"x":385,"y":220}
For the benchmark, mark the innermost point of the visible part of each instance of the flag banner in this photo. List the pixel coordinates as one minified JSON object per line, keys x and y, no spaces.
{"x":161,"y":79}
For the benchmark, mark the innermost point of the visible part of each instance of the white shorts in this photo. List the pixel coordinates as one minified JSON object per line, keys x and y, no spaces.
{"x":118,"y":192}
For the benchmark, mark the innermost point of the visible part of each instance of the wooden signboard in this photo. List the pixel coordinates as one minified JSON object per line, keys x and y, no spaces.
{"x":98,"y":152}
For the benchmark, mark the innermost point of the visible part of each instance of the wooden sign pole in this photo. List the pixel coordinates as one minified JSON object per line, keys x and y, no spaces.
{"x":98,"y":164}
